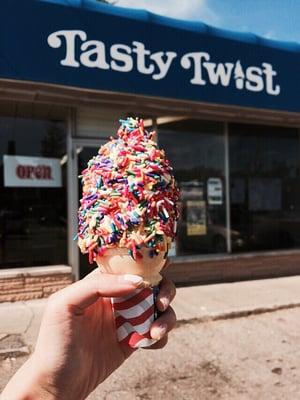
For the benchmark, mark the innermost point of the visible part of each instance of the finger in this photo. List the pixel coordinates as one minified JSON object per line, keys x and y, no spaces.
{"x":158,"y":345}
{"x":165,"y":323}
{"x":85,"y":292}
{"x":167,"y":292}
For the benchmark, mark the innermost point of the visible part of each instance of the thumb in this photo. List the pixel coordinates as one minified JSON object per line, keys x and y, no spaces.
{"x":87,"y":291}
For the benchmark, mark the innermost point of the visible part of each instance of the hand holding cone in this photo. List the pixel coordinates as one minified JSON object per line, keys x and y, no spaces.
{"x":128,"y":214}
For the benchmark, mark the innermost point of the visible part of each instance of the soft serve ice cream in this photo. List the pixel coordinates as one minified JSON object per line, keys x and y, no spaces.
{"x":128,"y":213}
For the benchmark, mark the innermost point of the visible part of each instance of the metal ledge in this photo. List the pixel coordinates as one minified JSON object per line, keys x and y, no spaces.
{"x":75,"y":97}
{"x":218,"y":257}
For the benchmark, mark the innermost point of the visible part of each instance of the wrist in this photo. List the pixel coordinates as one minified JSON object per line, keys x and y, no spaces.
{"x":29,"y":384}
{"x":40,"y":383}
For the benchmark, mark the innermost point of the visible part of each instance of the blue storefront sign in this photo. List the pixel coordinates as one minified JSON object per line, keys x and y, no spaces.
{"x":89,"y":45}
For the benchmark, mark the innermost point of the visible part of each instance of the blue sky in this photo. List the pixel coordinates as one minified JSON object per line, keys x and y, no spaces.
{"x":274,"y":19}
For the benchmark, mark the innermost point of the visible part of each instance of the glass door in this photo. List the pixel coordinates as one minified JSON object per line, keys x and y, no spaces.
{"x":80,"y":151}
{"x":83,"y":150}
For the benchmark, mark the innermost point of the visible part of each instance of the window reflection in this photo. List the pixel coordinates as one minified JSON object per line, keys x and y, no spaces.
{"x":33,"y":220}
{"x":265,"y":194}
{"x":196,"y":152}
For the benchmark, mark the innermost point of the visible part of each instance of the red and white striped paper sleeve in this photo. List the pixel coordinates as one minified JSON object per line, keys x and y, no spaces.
{"x":134,"y":315}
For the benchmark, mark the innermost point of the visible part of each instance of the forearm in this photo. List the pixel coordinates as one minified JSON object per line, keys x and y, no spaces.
{"x":27,"y":384}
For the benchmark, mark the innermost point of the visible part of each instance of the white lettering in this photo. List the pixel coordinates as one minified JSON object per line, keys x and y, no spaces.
{"x":269,"y":72}
{"x":239,"y":75}
{"x":255,"y":82}
{"x":95,"y":56}
{"x":219,"y":72}
{"x":124,"y":58}
{"x":186,"y":63}
{"x":55,"y":41}
{"x":162,"y":66}
{"x":141,"y":53}
{"x":121,"y":53}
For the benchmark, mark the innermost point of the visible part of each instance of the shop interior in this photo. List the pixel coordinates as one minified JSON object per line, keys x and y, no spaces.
{"x":239,"y":185}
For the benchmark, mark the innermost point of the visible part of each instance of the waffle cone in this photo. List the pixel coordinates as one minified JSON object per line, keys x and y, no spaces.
{"x":118,"y":261}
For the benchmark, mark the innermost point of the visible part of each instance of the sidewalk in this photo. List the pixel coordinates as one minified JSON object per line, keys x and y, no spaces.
{"x":238,"y":299}
{"x":19,"y":322}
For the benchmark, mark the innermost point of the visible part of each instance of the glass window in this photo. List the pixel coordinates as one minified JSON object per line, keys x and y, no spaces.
{"x":196,"y":151}
{"x":33,"y":209}
{"x":265,"y":191}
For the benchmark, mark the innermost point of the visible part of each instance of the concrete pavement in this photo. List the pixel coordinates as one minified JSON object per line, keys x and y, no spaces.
{"x":19,"y":321}
{"x":248,"y":358}
{"x":237,"y":299}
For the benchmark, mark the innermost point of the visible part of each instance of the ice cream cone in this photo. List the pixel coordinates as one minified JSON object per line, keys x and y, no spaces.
{"x":118,"y":261}
{"x":127,"y":220}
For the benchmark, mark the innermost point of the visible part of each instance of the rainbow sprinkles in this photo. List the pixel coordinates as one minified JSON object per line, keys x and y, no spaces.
{"x":129,"y":195}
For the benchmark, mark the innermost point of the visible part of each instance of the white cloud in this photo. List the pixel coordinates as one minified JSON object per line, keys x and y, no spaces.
{"x":270,"y":35}
{"x":183,"y":9}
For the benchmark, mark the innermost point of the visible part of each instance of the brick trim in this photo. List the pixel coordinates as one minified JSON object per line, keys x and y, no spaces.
{"x":237,"y":267}
{"x":33,"y":283}
{"x":39,"y":282}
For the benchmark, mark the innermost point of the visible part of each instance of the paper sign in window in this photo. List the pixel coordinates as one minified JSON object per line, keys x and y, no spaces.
{"x":21,"y":171}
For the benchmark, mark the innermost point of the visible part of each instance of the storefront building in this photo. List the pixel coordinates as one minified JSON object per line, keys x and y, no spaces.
{"x":226,"y":109}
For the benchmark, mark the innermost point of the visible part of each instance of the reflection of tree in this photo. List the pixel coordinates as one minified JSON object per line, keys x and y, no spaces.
{"x":198,"y":173}
{"x":53,"y":144}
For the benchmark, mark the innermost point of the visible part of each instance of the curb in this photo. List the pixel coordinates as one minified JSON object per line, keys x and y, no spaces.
{"x":236,"y":314}
{"x":24,"y":350}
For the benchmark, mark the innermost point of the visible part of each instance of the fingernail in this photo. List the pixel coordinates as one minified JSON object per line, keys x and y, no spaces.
{"x":135,"y":279}
{"x":165,"y":303}
{"x":160,"y":331}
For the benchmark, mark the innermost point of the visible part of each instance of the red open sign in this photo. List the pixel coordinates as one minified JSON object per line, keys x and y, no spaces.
{"x":34,"y":172}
